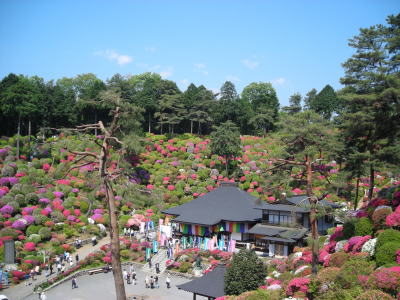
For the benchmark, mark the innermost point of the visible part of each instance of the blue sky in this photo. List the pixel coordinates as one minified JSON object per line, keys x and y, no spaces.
{"x":295,"y":45}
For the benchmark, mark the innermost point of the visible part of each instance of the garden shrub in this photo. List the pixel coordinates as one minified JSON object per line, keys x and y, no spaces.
{"x":184,"y":267}
{"x":40,"y":219}
{"x":247,"y":272}
{"x":348,"y":230}
{"x":386,"y":254}
{"x":125,"y":254}
{"x":386,"y":236}
{"x":68,"y":232}
{"x":379,"y":216}
{"x":32,"y":198}
{"x":20,"y":199}
{"x":338,"y":259}
{"x":351,"y":269}
{"x":57,"y":216}
{"x":328,"y":275}
{"x":36,"y":238}
{"x":374,"y":295}
{"x":341,"y":294}
{"x":8,"y":232}
{"x":45,"y":233}
{"x":33,"y":229}
{"x":363,"y":227}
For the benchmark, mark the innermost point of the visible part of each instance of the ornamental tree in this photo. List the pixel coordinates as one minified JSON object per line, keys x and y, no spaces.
{"x":247,"y":272}
{"x":225,"y":141}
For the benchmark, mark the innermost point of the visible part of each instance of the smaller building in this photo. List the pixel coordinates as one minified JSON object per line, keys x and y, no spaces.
{"x":285,"y":224}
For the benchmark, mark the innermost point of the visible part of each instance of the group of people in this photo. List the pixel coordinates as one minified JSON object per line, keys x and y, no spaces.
{"x":151,"y":282}
{"x":130,"y":275}
{"x":78,"y":243}
{"x":129,"y":232}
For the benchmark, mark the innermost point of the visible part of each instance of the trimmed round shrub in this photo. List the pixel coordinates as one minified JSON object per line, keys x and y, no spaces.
{"x":33,"y":229}
{"x":45,"y":233}
{"x":32,"y":198}
{"x":125,"y":254}
{"x":338,"y":259}
{"x":379,"y":216}
{"x":386,"y":254}
{"x":351,"y":269}
{"x":374,"y":295}
{"x":348,"y":230}
{"x":20,"y":199}
{"x":386,"y":236}
{"x":57,"y":216}
{"x":34,"y":238}
{"x":184,"y":267}
{"x":363,"y":227}
{"x":40,"y":219}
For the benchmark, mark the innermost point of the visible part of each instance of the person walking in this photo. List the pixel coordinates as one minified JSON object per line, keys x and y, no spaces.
{"x":128,"y":278}
{"x":168,"y":282}
{"x":51,"y":268}
{"x":157,"y":268}
{"x":124,"y":274}
{"x":37,"y":270}
{"x":59,"y":267}
{"x":151,"y":282}
{"x":74,"y":283}
{"x":150,"y":262}
{"x":77,"y":258}
{"x":42,"y":296}
{"x":147,"y":282}
{"x":134,"y":277}
{"x":156,"y":282}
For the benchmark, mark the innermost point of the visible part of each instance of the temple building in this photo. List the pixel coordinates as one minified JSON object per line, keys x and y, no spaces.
{"x":228,"y":217}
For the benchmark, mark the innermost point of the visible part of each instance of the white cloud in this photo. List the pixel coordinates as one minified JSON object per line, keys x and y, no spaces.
{"x":201,"y":68}
{"x":278,"y":81}
{"x":250,"y":64}
{"x":113,"y":55}
{"x":232,"y":78}
{"x":151,"y":49}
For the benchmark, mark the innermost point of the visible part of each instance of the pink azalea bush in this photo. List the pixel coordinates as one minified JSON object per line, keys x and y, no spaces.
{"x":297,"y":284}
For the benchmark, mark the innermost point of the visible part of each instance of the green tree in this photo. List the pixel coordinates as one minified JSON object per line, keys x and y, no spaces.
{"x":370,"y":117}
{"x":325,"y":102}
{"x":171,"y":111}
{"x":224,"y":109}
{"x":309,"y":98}
{"x":263,"y":119}
{"x":305,"y":136}
{"x":246,"y":273}
{"x":294,"y":104}
{"x":225,"y":141}
{"x":261,"y":95}
{"x":200,"y":111}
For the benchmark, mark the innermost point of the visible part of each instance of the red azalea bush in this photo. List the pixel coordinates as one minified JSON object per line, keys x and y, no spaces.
{"x":387,"y":279}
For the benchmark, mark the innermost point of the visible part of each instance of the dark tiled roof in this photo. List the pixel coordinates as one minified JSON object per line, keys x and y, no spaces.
{"x":209,"y":285}
{"x":296,"y":204}
{"x":288,"y":233}
{"x":225,"y":203}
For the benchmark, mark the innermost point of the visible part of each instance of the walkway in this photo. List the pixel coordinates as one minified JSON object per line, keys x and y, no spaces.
{"x":101,"y":287}
{"x":22,"y":291}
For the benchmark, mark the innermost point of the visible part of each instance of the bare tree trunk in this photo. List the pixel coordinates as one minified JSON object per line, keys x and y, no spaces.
{"x":29,"y":137}
{"x":357,"y":191}
{"x":18,"y":134}
{"x":226,"y":166}
{"x":199,"y":129}
{"x":161,"y":128}
{"x":371,"y":182}
{"x":149,"y":122}
{"x":114,"y":230}
{"x":95,"y":121}
{"x":313,"y":216}
{"x":191,"y":127}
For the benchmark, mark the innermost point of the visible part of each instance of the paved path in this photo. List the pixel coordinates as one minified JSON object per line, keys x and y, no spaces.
{"x":101,"y":287}
{"x":21,"y":290}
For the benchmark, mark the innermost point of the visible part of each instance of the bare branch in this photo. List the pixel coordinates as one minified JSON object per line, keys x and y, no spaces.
{"x":76,"y":167}
{"x":291,"y":162}
{"x":85,"y":153}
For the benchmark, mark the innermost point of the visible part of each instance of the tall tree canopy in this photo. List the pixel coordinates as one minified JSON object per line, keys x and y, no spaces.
{"x":370,"y":118}
{"x":261,"y":94}
{"x":225,"y":141}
